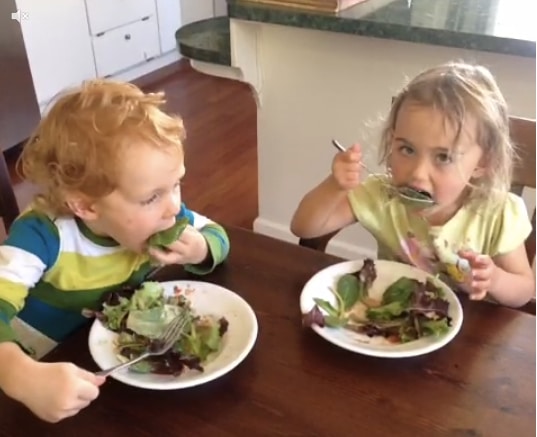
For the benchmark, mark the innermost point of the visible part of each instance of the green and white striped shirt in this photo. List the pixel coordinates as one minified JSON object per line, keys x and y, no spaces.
{"x":52,"y":269}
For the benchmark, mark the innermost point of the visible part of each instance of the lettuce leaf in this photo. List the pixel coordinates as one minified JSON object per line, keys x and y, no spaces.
{"x":140,"y":319}
{"x":168,"y":236}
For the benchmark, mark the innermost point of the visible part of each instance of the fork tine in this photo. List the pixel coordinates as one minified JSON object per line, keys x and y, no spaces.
{"x":174,"y":328}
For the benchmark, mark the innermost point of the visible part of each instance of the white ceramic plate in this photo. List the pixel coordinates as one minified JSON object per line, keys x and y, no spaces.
{"x":206,"y":298}
{"x":387,"y":273}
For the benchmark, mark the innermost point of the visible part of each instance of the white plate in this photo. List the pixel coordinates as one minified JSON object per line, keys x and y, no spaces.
{"x":206,"y":298}
{"x":387,"y":273}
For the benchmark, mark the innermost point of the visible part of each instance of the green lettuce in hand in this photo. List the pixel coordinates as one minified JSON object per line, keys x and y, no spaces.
{"x":168,"y":236}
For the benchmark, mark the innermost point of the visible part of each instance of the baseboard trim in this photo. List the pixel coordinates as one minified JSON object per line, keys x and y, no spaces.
{"x":335,"y":247}
{"x":274,"y":230}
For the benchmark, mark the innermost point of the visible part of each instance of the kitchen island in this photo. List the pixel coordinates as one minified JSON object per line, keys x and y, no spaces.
{"x":318,"y":76}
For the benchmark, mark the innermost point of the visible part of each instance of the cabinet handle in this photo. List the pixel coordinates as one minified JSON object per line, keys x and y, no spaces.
{"x":128,"y":36}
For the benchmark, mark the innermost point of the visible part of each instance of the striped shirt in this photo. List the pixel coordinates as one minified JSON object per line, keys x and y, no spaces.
{"x":53,"y":269}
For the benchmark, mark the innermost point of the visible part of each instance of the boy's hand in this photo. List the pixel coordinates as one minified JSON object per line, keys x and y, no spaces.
{"x":190,"y":248}
{"x":482,"y":274}
{"x":55,"y":391}
{"x":346,"y":167}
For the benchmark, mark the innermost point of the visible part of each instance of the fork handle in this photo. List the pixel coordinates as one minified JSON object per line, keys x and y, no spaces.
{"x":120,"y":366}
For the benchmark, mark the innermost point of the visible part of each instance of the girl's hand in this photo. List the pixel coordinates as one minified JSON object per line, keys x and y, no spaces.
{"x":482,"y":275}
{"x":190,"y":248}
{"x":346,"y":167}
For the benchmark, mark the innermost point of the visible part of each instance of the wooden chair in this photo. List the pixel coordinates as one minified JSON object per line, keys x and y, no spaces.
{"x":9,"y":209}
{"x":523,"y":135}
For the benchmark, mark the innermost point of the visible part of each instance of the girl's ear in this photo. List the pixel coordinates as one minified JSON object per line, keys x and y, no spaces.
{"x":81,"y":206}
{"x":481,"y":168}
{"x":479,"y":172}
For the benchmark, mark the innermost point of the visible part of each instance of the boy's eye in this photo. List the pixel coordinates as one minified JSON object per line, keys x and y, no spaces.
{"x":152,"y":199}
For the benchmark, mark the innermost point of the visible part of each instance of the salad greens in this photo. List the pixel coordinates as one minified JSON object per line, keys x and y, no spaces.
{"x":139,"y":317}
{"x":409,"y":309}
{"x":168,"y":236}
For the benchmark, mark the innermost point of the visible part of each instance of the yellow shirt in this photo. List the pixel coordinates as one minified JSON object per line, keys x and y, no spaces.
{"x":403,"y":235}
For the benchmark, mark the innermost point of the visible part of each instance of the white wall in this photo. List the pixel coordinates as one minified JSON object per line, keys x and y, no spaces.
{"x":314,"y":86}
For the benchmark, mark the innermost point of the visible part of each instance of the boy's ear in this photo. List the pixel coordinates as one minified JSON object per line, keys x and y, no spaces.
{"x":81,"y":206}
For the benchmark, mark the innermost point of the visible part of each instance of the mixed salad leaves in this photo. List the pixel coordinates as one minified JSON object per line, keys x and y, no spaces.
{"x":139,"y":317}
{"x":409,"y":309}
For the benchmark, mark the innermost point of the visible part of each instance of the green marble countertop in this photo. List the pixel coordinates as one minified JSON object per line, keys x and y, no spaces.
{"x":500,"y":26}
{"x":206,"y":40}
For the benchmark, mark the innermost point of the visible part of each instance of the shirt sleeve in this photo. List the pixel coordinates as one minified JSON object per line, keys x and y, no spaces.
{"x":369,"y":201}
{"x":215,"y":235}
{"x":511,"y":227}
{"x":30,"y":249}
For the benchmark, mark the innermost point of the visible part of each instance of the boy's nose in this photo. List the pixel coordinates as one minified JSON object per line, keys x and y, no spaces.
{"x":173,"y":205}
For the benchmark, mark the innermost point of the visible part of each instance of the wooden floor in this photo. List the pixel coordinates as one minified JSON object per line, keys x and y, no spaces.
{"x":221,"y":145}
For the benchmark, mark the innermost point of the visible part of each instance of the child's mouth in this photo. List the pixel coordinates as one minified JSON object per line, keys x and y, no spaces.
{"x":412,"y":193}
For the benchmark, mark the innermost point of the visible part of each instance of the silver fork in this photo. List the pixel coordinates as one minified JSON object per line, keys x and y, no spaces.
{"x":168,"y":338}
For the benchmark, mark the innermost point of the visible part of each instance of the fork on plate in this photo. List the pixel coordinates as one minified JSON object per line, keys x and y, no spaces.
{"x":159,"y":346}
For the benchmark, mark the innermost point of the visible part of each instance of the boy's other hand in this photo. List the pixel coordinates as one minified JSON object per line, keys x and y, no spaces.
{"x":190,"y":248}
{"x":346,"y":167}
{"x":55,"y":391}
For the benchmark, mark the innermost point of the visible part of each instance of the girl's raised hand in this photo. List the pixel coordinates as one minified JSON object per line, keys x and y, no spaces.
{"x":346,"y":167}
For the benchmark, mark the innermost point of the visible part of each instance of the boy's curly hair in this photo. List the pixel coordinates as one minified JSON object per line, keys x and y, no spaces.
{"x":77,"y":146}
{"x":459,"y":89}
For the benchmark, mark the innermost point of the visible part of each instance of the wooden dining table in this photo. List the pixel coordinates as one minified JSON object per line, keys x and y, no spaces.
{"x":296,"y":384}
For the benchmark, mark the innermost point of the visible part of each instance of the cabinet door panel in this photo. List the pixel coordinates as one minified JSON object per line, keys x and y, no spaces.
{"x":57,"y":43}
{"x":121,"y":48}
{"x":104,"y":15}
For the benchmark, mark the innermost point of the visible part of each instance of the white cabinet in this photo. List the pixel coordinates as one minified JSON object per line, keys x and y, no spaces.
{"x":58,"y":44}
{"x":124,"y":33}
{"x":169,"y":21}
{"x":125,"y":46}
{"x":104,"y":15}
{"x":69,"y":41}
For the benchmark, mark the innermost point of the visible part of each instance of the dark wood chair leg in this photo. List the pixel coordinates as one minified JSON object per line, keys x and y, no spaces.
{"x":318,"y":243}
{"x":528,"y":308}
{"x":9,"y":209}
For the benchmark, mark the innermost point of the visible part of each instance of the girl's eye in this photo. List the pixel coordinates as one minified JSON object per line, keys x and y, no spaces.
{"x":444,"y":158}
{"x":152,"y":199}
{"x":406,"y":150}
